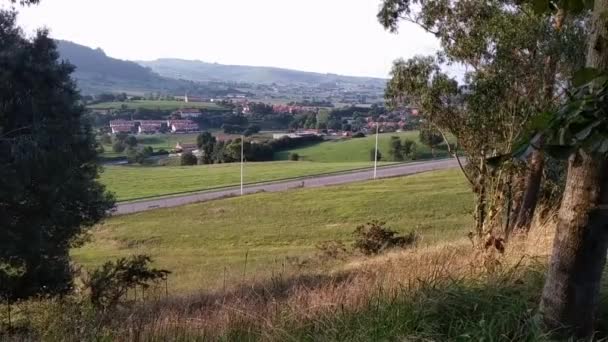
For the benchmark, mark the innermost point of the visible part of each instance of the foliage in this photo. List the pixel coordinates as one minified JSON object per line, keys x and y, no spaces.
{"x":110,"y":283}
{"x":118,"y":147}
{"x":188,"y":159}
{"x":49,"y":194}
{"x":374,"y":237}
{"x":359,"y":135}
{"x":206,"y":144}
{"x":131,"y":141}
{"x":294,"y":157}
{"x":396,"y":150}
{"x":251,"y":130}
{"x":430,"y":137}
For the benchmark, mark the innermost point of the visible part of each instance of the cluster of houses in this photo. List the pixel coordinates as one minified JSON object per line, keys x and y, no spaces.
{"x":153,"y":126}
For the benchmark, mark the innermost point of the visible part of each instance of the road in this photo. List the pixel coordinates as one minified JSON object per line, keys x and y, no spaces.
{"x":306,"y":182}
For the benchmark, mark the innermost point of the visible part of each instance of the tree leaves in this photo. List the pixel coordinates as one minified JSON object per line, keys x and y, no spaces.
{"x":584,"y":76}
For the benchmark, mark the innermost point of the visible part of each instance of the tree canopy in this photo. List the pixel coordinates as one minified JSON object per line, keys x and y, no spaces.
{"x":49,"y":194}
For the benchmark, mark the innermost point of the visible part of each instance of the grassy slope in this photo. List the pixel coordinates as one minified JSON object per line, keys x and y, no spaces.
{"x":197,"y":242}
{"x":129,"y":182}
{"x":160,"y":105}
{"x":357,"y":149}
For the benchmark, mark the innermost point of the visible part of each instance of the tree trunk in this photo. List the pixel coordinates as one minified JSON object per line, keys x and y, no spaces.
{"x":533,"y":181}
{"x":571,"y":290}
{"x":534,"y":173}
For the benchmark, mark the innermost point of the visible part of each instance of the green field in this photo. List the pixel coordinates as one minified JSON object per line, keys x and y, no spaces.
{"x":199,"y":242}
{"x":158,"y":105}
{"x":357,"y":149}
{"x":130,"y":182}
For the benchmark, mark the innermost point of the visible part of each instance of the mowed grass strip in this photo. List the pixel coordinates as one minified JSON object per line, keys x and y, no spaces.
{"x":159,"y":105}
{"x":252,"y":237}
{"x":358,"y":149}
{"x":132,"y":182}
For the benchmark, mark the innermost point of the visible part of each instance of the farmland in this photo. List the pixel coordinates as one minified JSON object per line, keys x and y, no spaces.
{"x":130,"y":182}
{"x":200,"y":242}
{"x":358,"y":149}
{"x":155,"y":105}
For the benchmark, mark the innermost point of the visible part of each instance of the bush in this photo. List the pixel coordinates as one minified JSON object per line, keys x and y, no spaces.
{"x":118,"y":147}
{"x":109,"y":283}
{"x":188,"y":159}
{"x":359,"y":135}
{"x":294,"y":157}
{"x":374,"y":237}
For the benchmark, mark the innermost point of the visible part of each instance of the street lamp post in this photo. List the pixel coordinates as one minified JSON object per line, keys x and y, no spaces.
{"x":376,"y":152}
{"x":242,"y":161}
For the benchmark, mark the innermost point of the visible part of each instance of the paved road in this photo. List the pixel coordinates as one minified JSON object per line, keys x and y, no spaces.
{"x":307,"y":182}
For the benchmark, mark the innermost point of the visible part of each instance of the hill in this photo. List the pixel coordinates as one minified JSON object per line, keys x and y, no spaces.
{"x":203,"y":71}
{"x":96,"y":72}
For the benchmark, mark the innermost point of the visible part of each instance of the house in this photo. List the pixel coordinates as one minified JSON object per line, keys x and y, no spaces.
{"x":182,"y":126}
{"x":148,"y":129}
{"x":122,"y":129}
{"x":122,"y":126}
{"x":150,"y":126}
{"x":188,"y":113}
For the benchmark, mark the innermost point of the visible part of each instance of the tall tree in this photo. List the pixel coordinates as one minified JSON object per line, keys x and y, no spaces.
{"x":505,"y":47}
{"x":49,"y":194}
{"x":571,"y":292}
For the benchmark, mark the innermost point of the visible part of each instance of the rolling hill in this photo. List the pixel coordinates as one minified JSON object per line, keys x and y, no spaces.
{"x":203,"y":71}
{"x":96,"y":72}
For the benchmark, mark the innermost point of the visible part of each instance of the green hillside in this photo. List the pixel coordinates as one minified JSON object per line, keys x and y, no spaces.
{"x":200,"y":242}
{"x":358,"y":149}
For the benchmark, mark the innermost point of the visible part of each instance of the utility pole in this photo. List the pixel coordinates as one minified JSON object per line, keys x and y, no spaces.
{"x":242,"y":161}
{"x":376,"y":151}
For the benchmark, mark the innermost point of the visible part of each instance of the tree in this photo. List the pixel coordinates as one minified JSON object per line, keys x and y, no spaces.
{"x":131,"y":141}
{"x":294,"y":157}
{"x":396,"y":149}
{"x":206,"y":143}
{"x":506,"y":47}
{"x":430,"y":137}
{"x":49,"y":194}
{"x":188,"y":159}
{"x":571,"y":292}
{"x":118,"y":147}
{"x":409,"y":149}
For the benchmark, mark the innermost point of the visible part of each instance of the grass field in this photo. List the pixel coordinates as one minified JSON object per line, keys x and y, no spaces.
{"x":159,"y":105}
{"x":357,"y":149}
{"x":130,"y":182}
{"x":200,"y":242}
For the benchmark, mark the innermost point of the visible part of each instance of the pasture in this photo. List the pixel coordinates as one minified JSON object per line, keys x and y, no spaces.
{"x":358,"y":149}
{"x":252,"y":237}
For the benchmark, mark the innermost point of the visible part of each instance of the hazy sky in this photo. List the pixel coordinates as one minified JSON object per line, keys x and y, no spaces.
{"x":338,"y":36}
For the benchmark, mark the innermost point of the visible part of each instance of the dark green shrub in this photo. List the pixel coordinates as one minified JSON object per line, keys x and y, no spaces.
{"x":374,"y":237}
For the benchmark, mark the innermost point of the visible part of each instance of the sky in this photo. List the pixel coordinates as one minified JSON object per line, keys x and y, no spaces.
{"x":327,"y":36}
